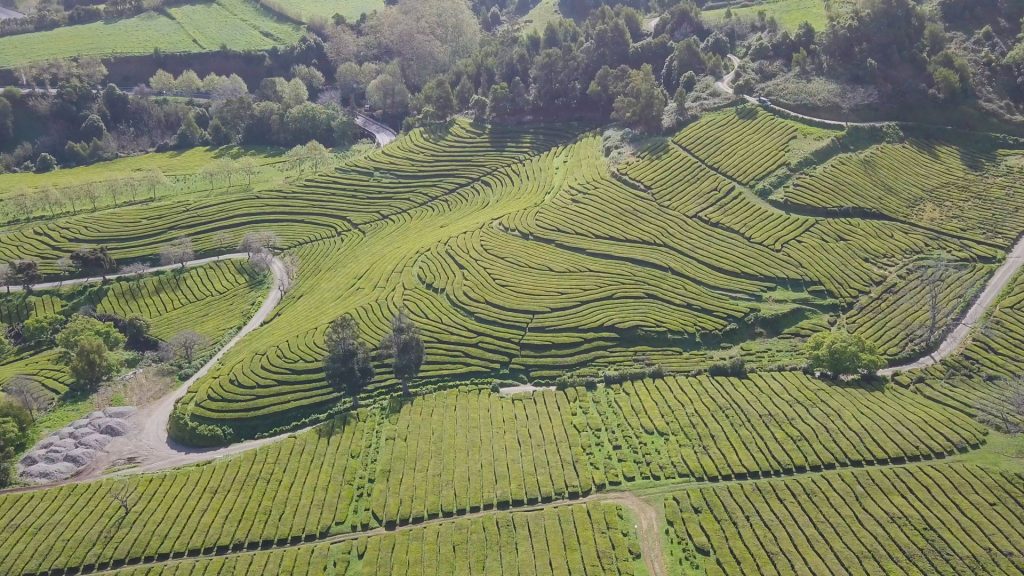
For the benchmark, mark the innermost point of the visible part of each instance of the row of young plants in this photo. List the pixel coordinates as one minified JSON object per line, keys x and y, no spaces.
{"x":586,"y":540}
{"x":928,"y":519}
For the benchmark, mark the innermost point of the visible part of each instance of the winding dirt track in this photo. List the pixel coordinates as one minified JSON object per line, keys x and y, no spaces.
{"x":952,"y":343}
{"x":147,"y":445}
{"x":995,"y":286}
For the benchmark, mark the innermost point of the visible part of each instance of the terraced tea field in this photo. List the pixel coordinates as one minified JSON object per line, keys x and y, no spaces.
{"x":590,"y":540}
{"x":524,"y":257}
{"x":517,"y":251}
{"x":235,"y":24}
{"x":946,"y":519}
{"x":212,"y":300}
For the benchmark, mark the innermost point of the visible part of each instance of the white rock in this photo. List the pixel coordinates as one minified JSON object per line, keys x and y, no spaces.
{"x":80,"y":433}
{"x":32,"y":458}
{"x":49,"y":472}
{"x":111,"y":427}
{"x":121,"y":412}
{"x":63,"y":445}
{"x":63,"y":433}
{"x":80,"y":456}
{"x":96,"y":415}
{"x":94,"y":441}
{"x":81,"y":423}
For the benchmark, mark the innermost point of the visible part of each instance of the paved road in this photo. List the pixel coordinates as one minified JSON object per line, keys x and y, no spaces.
{"x":975,"y":313}
{"x":381,"y":133}
{"x":8,"y":14}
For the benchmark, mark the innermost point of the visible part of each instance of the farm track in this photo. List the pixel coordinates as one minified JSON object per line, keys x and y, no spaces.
{"x":148,"y":446}
{"x":638,"y":501}
{"x":995,"y":286}
{"x":988,"y":297}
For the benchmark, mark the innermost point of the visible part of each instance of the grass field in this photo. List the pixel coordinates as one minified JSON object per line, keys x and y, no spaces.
{"x":310,"y":10}
{"x":231,"y":24}
{"x":789,"y":13}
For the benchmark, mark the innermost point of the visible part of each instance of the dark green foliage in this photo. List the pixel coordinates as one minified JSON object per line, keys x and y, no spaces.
{"x":347,"y":363}
{"x":25,"y":272}
{"x":93,"y":261}
{"x":91,"y":363}
{"x":405,"y":348}
{"x":840,"y":353}
{"x":14,"y":424}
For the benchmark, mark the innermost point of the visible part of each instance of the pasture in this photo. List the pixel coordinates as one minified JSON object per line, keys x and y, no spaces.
{"x":788,"y":13}
{"x":189,"y":28}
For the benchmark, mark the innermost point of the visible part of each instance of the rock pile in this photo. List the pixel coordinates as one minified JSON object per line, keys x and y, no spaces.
{"x":62,"y":454}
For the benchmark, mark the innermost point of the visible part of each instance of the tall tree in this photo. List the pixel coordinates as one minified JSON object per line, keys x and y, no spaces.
{"x":94,"y":261}
{"x":405,"y":348}
{"x":347,"y":363}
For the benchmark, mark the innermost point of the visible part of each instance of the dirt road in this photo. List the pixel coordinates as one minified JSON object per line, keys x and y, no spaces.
{"x":91,"y":279}
{"x":985,"y":300}
{"x":147,"y":445}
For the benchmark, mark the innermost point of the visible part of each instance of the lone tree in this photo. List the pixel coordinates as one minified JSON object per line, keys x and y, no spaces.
{"x":5,"y":277}
{"x":186,"y":344}
{"x":94,"y":261}
{"x":25,"y":272}
{"x":91,"y":363}
{"x":256,"y":242}
{"x":22,"y":391}
{"x":405,"y":348}
{"x":122,"y":494}
{"x":177,"y":252}
{"x":347,"y":363}
{"x":839,"y":353}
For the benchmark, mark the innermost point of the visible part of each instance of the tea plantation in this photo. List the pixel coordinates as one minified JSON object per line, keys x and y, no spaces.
{"x":614,"y":379}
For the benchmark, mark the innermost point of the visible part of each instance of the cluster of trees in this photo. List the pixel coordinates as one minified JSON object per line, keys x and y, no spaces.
{"x":25,"y":204}
{"x":189,"y":84}
{"x":609,"y":66}
{"x":348,"y":363}
{"x":14,"y":424}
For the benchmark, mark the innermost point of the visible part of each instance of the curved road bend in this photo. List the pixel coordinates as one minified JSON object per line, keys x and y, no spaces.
{"x":1006,"y":272}
{"x":381,"y":133}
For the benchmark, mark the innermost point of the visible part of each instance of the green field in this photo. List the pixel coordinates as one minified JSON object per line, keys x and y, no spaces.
{"x":324,"y":10}
{"x":789,"y":13}
{"x":233,"y":24}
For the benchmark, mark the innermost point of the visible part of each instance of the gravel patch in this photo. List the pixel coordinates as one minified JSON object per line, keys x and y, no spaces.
{"x":62,"y":454}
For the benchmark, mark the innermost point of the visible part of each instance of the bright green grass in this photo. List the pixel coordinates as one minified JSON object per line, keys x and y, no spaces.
{"x":234,"y":24}
{"x":176,"y":163}
{"x":538,"y":17}
{"x":307,"y":10}
{"x":788,"y":13}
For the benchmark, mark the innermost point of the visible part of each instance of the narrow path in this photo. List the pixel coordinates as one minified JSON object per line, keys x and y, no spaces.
{"x":648,"y":525}
{"x":952,"y":343}
{"x":147,"y":445}
{"x":381,"y":133}
{"x":150,"y":270}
